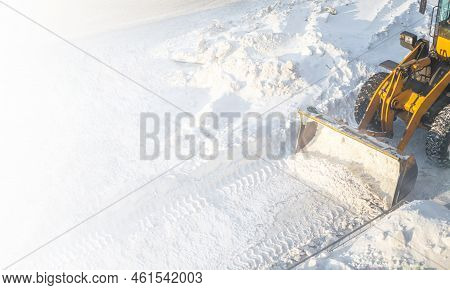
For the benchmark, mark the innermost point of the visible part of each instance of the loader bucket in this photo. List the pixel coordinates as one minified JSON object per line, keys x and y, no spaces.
{"x":394,"y":174}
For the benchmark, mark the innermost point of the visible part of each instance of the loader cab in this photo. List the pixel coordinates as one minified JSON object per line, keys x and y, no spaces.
{"x":439,"y":29}
{"x":442,"y":29}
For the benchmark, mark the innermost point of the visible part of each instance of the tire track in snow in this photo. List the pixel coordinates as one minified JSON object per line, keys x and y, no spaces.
{"x":235,"y":183}
{"x":287,"y":247}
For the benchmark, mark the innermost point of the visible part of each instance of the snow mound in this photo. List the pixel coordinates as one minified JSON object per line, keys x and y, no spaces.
{"x":263,"y":57}
{"x":305,"y":51}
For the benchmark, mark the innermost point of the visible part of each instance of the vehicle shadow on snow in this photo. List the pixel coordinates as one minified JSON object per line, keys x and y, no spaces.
{"x":433,"y":183}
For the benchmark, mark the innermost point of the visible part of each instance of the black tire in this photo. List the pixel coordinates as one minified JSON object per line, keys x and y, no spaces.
{"x":438,"y":139}
{"x":363,"y":99}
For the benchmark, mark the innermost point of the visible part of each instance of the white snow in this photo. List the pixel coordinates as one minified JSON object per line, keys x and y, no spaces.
{"x":70,"y":127}
{"x":416,"y":236}
{"x":87,"y":17}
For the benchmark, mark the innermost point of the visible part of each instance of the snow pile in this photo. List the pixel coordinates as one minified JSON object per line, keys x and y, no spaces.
{"x":257,"y":57}
{"x":416,"y":236}
{"x":299,"y":50}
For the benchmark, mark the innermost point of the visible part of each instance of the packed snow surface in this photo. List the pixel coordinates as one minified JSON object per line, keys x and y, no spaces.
{"x":414,"y":237}
{"x":71,"y":148}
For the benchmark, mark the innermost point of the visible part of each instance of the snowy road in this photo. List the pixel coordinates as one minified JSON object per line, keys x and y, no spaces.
{"x":245,"y":217}
{"x":81,"y":150}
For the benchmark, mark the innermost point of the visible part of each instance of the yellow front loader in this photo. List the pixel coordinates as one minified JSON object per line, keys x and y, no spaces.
{"x":416,"y":91}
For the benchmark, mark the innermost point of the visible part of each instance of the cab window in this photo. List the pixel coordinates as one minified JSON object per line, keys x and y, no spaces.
{"x":444,"y":9}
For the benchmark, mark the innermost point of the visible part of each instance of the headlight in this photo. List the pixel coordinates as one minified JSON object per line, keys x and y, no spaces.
{"x":408,"y":40}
